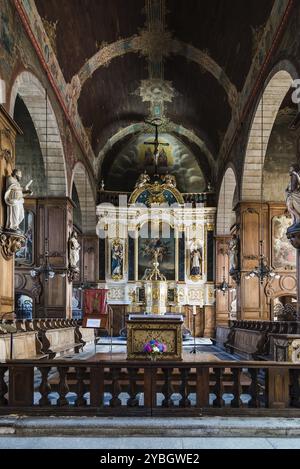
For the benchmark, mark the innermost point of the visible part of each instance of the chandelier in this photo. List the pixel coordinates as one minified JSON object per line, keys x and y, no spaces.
{"x":223,"y":287}
{"x":45,"y":269}
{"x":263,"y":270}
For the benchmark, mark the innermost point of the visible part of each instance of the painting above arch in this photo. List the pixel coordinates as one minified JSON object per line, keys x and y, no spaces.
{"x":137,"y":156}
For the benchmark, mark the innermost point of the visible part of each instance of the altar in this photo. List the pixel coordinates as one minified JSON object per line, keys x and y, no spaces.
{"x":157,"y":218}
{"x":141,"y":328}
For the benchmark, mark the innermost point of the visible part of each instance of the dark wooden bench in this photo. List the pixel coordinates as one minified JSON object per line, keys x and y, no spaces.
{"x":246,"y":343}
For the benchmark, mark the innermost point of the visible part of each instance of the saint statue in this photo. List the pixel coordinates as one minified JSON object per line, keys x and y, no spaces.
{"x":292,"y":193}
{"x":14,"y":199}
{"x":117,"y":259}
{"x":74,"y":248}
{"x":196,"y":260}
{"x":234,"y":253}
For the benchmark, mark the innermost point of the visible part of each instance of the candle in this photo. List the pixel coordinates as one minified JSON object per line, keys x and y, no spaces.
{"x":194,"y":310}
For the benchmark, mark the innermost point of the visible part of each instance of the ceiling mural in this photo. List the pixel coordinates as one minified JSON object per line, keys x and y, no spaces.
{"x":142,"y":59}
{"x":137,"y":157}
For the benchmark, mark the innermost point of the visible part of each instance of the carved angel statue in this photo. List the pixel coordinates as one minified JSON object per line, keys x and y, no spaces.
{"x":292,"y":193}
{"x":170,"y":180}
{"x":74,"y":250}
{"x":14,"y":199}
{"x":143,"y":179}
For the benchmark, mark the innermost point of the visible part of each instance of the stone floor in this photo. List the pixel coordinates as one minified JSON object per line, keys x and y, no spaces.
{"x":147,"y":444}
{"x":149,"y":433}
{"x":117,"y":345}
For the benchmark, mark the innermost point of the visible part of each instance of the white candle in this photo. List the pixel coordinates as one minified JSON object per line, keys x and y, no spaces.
{"x":194,"y":310}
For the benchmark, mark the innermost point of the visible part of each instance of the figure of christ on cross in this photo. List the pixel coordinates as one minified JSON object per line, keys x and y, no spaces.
{"x":156,"y":143}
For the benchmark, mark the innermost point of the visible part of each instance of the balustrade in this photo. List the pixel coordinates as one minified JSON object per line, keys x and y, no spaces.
{"x":104,"y":388}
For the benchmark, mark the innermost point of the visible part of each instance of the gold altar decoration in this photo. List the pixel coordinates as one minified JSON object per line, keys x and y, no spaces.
{"x":143,"y":328}
{"x":155,"y":192}
{"x":156,"y":289}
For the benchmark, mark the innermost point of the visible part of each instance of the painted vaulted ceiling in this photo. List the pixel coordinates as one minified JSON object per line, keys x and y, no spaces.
{"x":183,"y":61}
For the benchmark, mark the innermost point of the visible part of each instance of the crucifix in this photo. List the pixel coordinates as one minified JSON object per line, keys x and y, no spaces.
{"x":156,"y":143}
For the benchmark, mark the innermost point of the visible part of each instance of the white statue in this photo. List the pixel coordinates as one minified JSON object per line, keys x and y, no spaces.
{"x":74,"y":248}
{"x":143,"y":179}
{"x":234,"y":253}
{"x":292,"y":193}
{"x":14,"y":199}
{"x":196,"y":259}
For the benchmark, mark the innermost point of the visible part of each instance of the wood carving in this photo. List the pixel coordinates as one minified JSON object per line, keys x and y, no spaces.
{"x":10,"y":243}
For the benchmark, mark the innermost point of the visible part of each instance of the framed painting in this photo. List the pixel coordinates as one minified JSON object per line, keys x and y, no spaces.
{"x":163,"y":240}
{"x":283,"y":253}
{"x":25,"y":255}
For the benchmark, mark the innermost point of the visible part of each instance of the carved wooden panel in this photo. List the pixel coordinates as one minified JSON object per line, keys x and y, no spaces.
{"x":250,"y":238}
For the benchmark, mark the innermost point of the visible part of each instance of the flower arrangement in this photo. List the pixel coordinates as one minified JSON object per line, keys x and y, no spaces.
{"x":153,"y":347}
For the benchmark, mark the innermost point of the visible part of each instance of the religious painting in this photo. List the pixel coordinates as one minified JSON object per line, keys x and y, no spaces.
{"x":117,"y":250}
{"x":138,"y":156}
{"x":283,"y":253}
{"x":194,"y":260}
{"x":25,"y":254}
{"x":162,"y":239}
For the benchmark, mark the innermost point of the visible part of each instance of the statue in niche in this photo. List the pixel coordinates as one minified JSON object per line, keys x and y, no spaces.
{"x":195,"y":259}
{"x":292,"y":193}
{"x":143,"y":179}
{"x":117,"y":260}
{"x":233,"y":254}
{"x":74,"y":250}
{"x":14,"y":199}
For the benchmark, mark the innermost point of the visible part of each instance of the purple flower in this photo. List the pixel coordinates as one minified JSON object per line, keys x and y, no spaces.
{"x":154,"y":346}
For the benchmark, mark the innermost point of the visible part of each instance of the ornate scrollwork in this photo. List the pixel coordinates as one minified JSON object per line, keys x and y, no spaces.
{"x":6,"y":145}
{"x":11,"y":242}
{"x":73,"y":274}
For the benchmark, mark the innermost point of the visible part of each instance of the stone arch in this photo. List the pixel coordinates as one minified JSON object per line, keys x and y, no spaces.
{"x":32,"y":92}
{"x":81,"y":179}
{"x":135,"y":44}
{"x":225,"y":202}
{"x":278,"y":84}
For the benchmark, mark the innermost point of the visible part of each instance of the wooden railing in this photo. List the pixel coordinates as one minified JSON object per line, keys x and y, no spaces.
{"x":149,"y":388}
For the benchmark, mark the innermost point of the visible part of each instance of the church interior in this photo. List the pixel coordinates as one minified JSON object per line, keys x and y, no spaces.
{"x":150,"y":208}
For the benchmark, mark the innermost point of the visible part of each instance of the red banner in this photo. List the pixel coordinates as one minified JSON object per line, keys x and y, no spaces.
{"x":95,"y":302}
{"x":95,"y":305}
